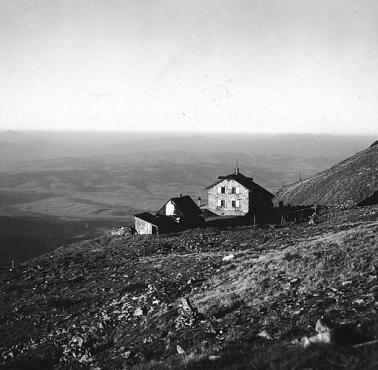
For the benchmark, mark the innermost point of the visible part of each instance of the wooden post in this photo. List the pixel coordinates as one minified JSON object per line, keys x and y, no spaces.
{"x":254,"y":220}
{"x":12,"y":264}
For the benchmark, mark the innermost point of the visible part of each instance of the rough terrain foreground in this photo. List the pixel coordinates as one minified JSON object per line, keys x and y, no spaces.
{"x":116,"y":302}
{"x":350,"y":182}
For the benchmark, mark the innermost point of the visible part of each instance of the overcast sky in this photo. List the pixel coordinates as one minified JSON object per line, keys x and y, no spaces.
{"x":206,"y":65}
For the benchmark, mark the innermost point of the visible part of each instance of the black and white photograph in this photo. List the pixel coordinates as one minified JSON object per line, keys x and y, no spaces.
{"x":188,"y":184}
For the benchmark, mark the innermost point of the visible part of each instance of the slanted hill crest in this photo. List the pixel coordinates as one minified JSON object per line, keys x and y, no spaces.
{"x":353,"y":181}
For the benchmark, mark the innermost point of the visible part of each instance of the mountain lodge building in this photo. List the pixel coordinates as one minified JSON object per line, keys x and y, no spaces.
{"x":238,"y":195}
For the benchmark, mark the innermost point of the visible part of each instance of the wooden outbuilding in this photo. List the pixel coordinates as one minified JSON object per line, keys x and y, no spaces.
{"x":176,"y":214}
{"x":183,"y":210}
{"x":146,"y":223}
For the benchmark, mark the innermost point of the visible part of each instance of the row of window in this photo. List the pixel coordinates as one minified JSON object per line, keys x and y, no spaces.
{"x":234,"y":190}
{"x":234,"y":203}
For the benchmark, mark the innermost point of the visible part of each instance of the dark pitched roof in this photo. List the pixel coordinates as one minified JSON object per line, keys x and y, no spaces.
{"x":263,"y":190}
{"x":242,"y":180}
{"x":187,"y":206}
{"x":148,"y":217}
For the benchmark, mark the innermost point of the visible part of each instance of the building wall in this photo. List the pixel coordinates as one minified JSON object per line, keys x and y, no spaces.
{"x":214,"y":197}
{"x":142,"y":227}
{"x":170,"y":209}
{"x":259,"y":202}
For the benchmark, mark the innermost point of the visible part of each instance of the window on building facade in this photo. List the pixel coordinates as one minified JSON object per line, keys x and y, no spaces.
{"x":233,"y":190}
{"x":221,"y":203}
{"x":235,"y":204}
{"x":221,"y":190}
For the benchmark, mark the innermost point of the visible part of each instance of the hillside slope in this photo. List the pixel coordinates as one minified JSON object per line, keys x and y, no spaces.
{"x":114,"y":302}
{"x":350,"y":182}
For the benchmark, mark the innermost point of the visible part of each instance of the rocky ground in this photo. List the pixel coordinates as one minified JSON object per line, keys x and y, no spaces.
{"x":157,"y":302}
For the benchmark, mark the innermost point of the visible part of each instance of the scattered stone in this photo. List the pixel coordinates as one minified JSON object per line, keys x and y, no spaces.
{"x":313,"y":219}
{"x":298,"y":312}
{"x":214,"y":357}
{"x":180,"y":350}
{"x":265,"y":334}
{"x":122,"y":231}
{"x":187,"y":314}
{"x":228,"y":258}
{"x":323,"y":337}
{"x":126,"y":354}
{"x":323,"y":325}
{"x":358,"y":302}
{"x":295,"y":342}
{"x":340,"y":335}
{"x":138,"y":312}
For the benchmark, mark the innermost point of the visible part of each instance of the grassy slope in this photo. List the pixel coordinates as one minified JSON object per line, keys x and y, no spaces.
{"x":281,"y":280}
{"x":347,"y":183}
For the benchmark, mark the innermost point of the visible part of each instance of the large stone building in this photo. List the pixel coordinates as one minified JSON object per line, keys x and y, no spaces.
{"x":238,"y":195}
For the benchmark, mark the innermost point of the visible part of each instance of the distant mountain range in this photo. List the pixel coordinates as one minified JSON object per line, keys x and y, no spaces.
{"x":41,"y":145}
{"x":353,"y":181}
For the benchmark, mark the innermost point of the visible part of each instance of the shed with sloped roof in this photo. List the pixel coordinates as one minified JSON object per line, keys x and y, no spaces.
{"x":183,"y":210}
{"x":146,"y":223}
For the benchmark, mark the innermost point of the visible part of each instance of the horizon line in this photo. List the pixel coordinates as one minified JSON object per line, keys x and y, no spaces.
{"x":185,"y":132}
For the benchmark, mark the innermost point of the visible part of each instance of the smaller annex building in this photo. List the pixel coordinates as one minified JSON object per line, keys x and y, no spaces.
{"x":146,"y":223}
{"x":183,"y":210}
{"x":238,"y":195}
{"x":177,"y":214}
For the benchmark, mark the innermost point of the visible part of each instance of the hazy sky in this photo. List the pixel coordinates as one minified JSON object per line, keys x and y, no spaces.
{"x":211,"y":65}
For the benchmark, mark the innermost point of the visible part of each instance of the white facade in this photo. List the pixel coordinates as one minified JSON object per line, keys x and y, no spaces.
{"x":228,"y":198}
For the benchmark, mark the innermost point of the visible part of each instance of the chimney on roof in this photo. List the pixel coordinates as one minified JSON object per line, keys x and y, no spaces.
{"x":237,"y":167}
